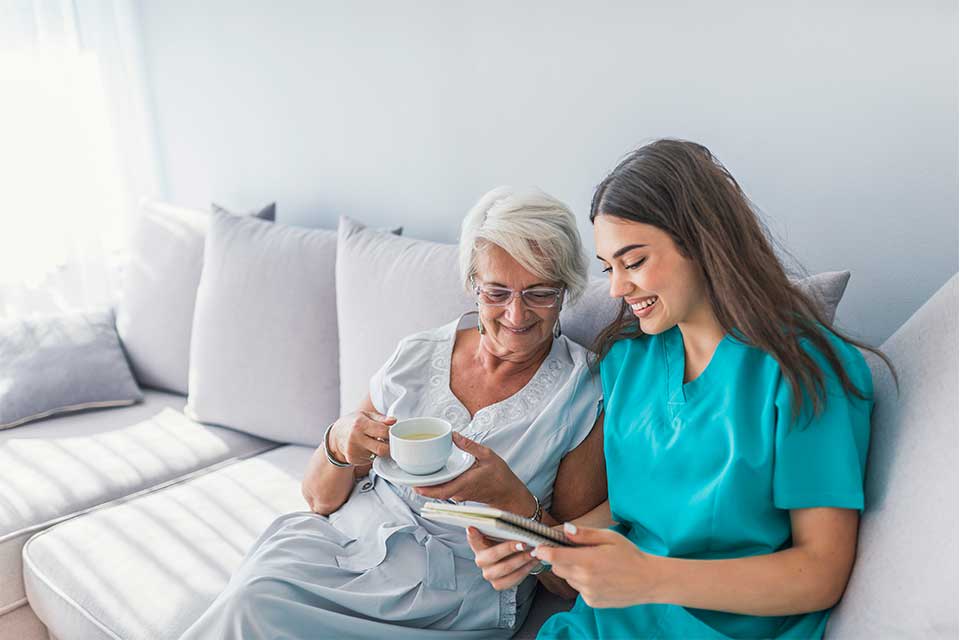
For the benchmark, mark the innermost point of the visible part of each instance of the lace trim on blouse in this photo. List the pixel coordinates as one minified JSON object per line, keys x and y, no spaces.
{"x":443,"y":403}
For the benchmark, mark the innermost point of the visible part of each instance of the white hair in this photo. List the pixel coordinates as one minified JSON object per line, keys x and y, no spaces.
{"x":535,"y":229}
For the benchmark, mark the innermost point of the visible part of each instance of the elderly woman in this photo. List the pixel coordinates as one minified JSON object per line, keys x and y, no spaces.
{"x":521,"y":398}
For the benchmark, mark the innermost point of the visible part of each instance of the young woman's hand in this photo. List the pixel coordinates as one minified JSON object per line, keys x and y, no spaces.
{"x":609,"y":571}
{"x":489,"y":481}
{"x":504,"y":564}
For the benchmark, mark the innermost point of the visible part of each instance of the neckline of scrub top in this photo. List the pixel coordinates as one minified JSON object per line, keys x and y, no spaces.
{"x":680,"y":391}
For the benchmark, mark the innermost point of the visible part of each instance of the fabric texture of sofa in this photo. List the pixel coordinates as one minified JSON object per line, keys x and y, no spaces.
{"x":126,"y":523}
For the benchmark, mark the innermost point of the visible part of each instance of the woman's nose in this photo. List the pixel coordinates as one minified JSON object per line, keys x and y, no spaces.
{"x":619,"y":285}
{"x":515,"y":310}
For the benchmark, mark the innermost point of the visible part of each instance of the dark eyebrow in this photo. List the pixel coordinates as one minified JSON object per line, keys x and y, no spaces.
{"x":622,"y":250}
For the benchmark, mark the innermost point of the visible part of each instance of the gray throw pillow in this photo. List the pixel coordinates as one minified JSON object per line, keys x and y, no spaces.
{"x":155,"y":313}
{"x":263,"y":354}
{"x":268,"y":213}
{"x":826,"y":289}
{"x":60,"y":363}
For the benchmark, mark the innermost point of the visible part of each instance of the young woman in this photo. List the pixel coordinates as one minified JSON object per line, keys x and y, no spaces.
{"x":736,"y":428}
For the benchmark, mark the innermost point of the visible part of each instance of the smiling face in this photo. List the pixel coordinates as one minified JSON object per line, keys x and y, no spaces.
{"x":662,"y":286}
{"x":516,"y":331}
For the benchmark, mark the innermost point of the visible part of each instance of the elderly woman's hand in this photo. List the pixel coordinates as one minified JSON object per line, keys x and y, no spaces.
{"x":489,"y":481}
{"x":358,"y":437}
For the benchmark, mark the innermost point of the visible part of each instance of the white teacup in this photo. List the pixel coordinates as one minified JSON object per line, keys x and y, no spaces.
{"x":421,"y":446}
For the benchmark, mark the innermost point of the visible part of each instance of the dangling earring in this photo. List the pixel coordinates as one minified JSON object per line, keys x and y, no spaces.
{"x":480,"y":325}
{"x":556,"y":329}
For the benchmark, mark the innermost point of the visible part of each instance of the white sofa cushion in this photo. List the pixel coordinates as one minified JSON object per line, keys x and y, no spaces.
{"x":155,"y":312}
{"x":54,"y":469}
{"x":388,"y":287}
{"x":147,"y":568}
{"x":904,"y":583}
{"x":150,"y":566}
{"x":264,"y":346}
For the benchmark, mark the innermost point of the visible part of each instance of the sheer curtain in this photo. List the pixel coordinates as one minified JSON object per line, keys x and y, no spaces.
{"x":76,"y":152}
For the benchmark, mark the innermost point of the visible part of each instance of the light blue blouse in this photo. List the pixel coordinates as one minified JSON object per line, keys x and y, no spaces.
{"x":375,"y":568}
{"x":710,"y":469}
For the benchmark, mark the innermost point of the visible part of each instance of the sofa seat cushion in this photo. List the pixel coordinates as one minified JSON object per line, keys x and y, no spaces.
{"x":56,"y":468}
{"x":148,"y":567}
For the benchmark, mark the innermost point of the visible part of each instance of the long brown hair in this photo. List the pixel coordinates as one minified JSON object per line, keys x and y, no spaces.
{"x":682,"y":189}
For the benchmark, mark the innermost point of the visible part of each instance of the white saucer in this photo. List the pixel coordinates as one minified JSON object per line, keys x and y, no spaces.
{"x":458,"y":462}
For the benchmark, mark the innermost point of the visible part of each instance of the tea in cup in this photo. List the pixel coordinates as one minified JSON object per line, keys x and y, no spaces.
{"x":421,"y":446}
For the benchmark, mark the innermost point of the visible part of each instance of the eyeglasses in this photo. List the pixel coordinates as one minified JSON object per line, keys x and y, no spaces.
{"x":536,"y":297}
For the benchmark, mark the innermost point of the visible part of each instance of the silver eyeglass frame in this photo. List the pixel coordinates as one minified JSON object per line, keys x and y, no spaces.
{"x":478,"y":288}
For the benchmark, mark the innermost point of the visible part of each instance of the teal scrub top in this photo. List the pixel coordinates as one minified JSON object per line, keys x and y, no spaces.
{"x":710,"y":470}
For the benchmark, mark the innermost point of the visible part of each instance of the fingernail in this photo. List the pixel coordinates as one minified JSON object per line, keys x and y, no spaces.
{"x":533,"y":554}
{"x":570,"y":528}
{"x":519,"y":546}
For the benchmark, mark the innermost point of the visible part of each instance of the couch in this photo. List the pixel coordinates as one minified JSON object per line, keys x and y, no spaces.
{"x":127,"y":522}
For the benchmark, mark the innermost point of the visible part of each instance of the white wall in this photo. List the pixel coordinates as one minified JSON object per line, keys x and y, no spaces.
{"x":840,"y":120}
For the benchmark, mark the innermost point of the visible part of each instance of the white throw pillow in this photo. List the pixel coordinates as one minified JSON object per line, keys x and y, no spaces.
{"x":155,"y":312}
{"x":388,"y":287}
{"x":263,"y":355}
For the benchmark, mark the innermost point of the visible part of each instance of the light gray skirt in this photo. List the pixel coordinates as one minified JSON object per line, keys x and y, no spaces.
{"x":373,"y":569}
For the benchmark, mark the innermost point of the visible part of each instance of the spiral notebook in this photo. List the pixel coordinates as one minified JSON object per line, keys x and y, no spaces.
{"x":495,"y":523}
